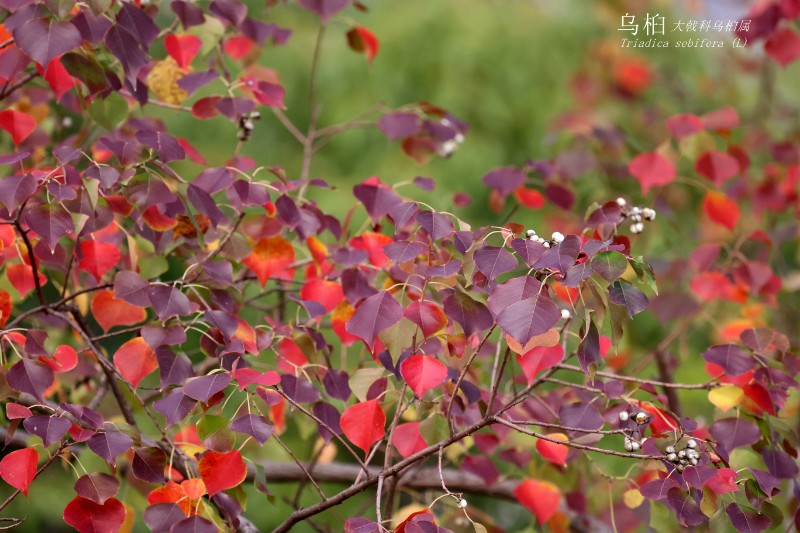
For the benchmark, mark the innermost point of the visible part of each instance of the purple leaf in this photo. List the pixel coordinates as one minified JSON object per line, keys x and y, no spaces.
{"x":747,"y":521}
{"x":686,"y":510}
{"x":230,"y":11}
{"x":270,"y":94}
{"x":84,"y":415}
{"x":325,"y":8}
{"x":287,"y":211}
{"x":299,"y":390}
{"x":138,"y":24}
{"x":256,"y":426}
{"x":110,"y":444}
{"x":167,"y":148}
{"x":511,"y":292}
{"x":589,"y":348}
{"x":336,"y":383}
{"x":562,"y":256}
{"x":48,"y":428}
{"x":168,"y":302}
{"x":330,"y":416}
{"x":205,"y":204}
{"x":580,"y":415}
{"x":204,"y":387}
{"x":10,"y":159}
{"x":378,"y":200}
{"x":623,"y":293}
{"x":446,"y":270}
{"x":44,"y":40}
{"x":494,"y":260}
{"x":50,"y":222}
{"x":435,"y":224}
{"x":174,"y":406}
{"x":191,"y":82}
{"x":160,"y":517}
{"x":696,"y":476}
{"x":360,"y":525}
{"x":193,"y":524}
{"x":471,"y":315}
{"x":173,"y":369}
{"x":125,"y":47}
{"x":97,"y":487}
{"x":213,"y":180}
{"x":16,"y":189}
{"x":356,"y":285}
{"x":610,"y":265}
{"x":505,"y":180}
{"x":132,"y":288}
{"x":148,"y":464}
{"x":233,"y":108}
{"x":375,"y":314}
{"x":528,"y":251}
{"x":528,"y":318}
{"x":33,"y":377}
{"x":426,"y":184}
{"x":245,"y":193}
{"x":769,"y":484}
{"x":188,"y":13}
{"x":735,"y":432}
{"x":577,"y":273}
{"x":734,"y":359}
{"x":779,"y":463}
{"x":402,"y":251}
{"x":157,"y":336}
{"x":399,"y":125}
{"x":403,"y":213}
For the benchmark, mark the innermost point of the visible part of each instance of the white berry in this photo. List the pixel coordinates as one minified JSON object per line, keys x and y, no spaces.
{"x":641,"y":417}
{"x":669,"y":449}
{"x":530,"y":232}
{"x":628,"y":445}
{"x":558,"y":237}
{"x":462,"y":503}
{"x":565,"y":314}
{"x":637,"y":227}
{"x":621,"y":202}
{"x":635,"y":446}
{"x":672,"y":457}
{"x":694,"y":461}
{"x":691,"y":443}
{"x":546,"y":244}
{"x":623,"y":416}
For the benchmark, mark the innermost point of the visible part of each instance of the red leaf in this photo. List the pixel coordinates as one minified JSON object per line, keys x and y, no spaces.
{"x":722,"y":119}
{"x":5,"y":307}
{"x":530,"y":198}
{"x":222,"y":471}
{"x":238,"y":47}
{"x":423,"y":373}
{"x":15,"y":411}
{"x":539,"y":497}
{"x":110,"y":311}
{"x":419,"y":148}
{"x":271,"y":256}
{"x":135,"y":360}
{"x":551,"y":451}
{"x":723,"y":482}
{"x":89,"y":517}
{"x":98,"y":257}
{"x":18,"y":468}
{"x":206,"y":108}
{"x":64,"y":359}
{"x":361,"y":39}
{"x":363,"y":423}
{"x":57,"y":76}
{"x":783,"y":46}
{"x":681,"y":126}
{"x":18,"y":124}
{"x":158,"y":221}
{"x":538,"y":359}
{"x":721,"y":209}
{"x":652,"y":169}
{"x":327,"y":293}
{"x":408,"y":440}
{"x":247,"y":376}
{"x":373,"y":244}
{"x":427,"y":315}
{"x":21,"y":277}
{"x":661,"y":422}
{"x":182,"y":48}
{"x":716,"y":166}
{"x":191,"y":151}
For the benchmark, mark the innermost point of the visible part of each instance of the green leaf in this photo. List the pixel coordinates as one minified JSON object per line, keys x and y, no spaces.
{"x":609,"y":265}
{"x":215,"y":432}
{"x":434,"y":429}
{"x":109,"y":112}
{"x":645,"y":273}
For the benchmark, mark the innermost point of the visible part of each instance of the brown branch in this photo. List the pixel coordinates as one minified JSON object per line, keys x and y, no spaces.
{"x":665,"y":375}
{"x":31,"y":256}
{"x":461,"y":376}
{"x":21,"y":83}
{"x":655,"y":383}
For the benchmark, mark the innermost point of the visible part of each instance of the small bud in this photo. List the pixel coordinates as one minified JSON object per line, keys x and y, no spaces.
{"x":641,"y":417}
{"x":565,"y":314}
{"x":672,"y":457}
{"x":462,"y":503}
{"x":669,"y":449}
{"x":624,"y":416}
{"x":621,"y":202}
{"x":459,"y":138}
{"x":691,"y":443}
{"x":558,"y":237}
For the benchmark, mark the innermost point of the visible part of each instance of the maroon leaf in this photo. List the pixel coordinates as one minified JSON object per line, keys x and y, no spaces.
{"x":435,"y":224}
{"x":166,"y":146}
{"x":494,"y":260}
{"x":375,"y":314}
{"x":44,"y":40}
{"x":623,"y":293}
{"x":136,"y":21}
{"x":204,"y":387}
{"x":89,"y":517}
{"x":132,"y":288}
{"x":126,"y":49}
{"x":33,"y":377}
{"x":697,"y":476}
{"x":50,"y":222}
{"x":160,"y":517}
{"x":402,"y":251}
{"x":194,"y":524}
{"x":173,"y":369}
{"x":174,"y":406}
{"x":768,"y":483}
{"x":97,"y":487}
{"x":256,"y":426}
{"x":580,"y":415}
{"x":325,"y":8}
{"x":528,"y":318}
{"x":779,"y":463}
{"x":471,"y":315}
{"x":735,"y":432}
{"x":562,"y":256}
{"x":168,"y":301}
{"x":231,"y":11}
{"x":732,"y":358}
{"x":148,"y":464}
{"x":331,"y":418}
{"x":657,"y":489}
{"x":589,"y":348}
{"x":48,"y":428}
{"x":110,"y":444}
{"x":747,"y":521}
{"x":16,"y":189}
{"x":299,"y":390}
{"x":686,"y":510}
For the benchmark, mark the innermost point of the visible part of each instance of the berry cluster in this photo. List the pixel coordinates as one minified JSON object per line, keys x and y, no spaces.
{"x":688,"y":456}
{"x":555,"y":238}
{"x":634,"y":426}
{"x":637,"y":215}
{"x":246,"y":125}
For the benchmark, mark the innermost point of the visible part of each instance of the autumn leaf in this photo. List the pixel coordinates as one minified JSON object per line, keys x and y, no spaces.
{"x":271,"y":256}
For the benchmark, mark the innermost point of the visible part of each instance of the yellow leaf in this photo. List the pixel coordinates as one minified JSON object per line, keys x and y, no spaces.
{"x":633,"y":498}
{"x":709,"y":503}
{"x":726,"y":396}
{"x":163,"y":81}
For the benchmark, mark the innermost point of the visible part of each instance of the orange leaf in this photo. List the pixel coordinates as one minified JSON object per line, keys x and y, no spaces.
{"x":328,"y":293}
{"x":361,"y":39}
{"x":271,"y":256}
{"x":5,"y":307}
{"x":21,"y":277}
{"x":551,"y":451}
{"x":341,"y":315}
{"x":171,"y":493}
{"x":721,"y":209}
{"x":539,"y":497}
{"x":221,"y":471}
{"x":135,"y":360}
{"x":530,"y":198}
{"x":194,"y":488}
{"x":158,"y":221}
{"x":373,"y":244}
{"x":64,"y":359}
{"x":110,"y":311}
